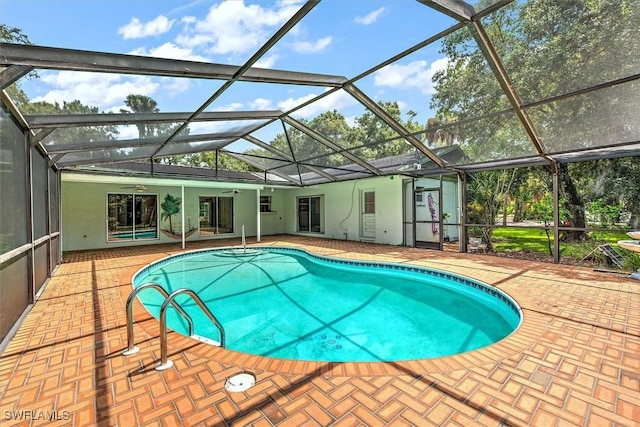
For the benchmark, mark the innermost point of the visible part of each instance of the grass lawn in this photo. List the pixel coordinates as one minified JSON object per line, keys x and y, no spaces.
{"x":535,"y":240}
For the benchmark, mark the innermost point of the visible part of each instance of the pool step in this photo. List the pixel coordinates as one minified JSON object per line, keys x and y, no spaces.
{"x":206,"y":340}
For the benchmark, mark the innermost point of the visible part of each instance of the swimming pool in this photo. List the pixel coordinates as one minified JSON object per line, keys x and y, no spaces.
{"x":128,"y":235}
{"x":287,"y":303}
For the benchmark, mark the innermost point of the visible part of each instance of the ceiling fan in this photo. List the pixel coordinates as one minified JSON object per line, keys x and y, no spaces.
{"x":138,"y":187}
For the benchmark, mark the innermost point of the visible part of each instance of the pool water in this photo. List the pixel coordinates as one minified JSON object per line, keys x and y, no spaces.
{"x":289,"y":304}
{"x":129,"y":235}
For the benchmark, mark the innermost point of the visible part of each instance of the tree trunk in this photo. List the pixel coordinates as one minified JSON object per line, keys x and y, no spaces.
{"x":487,"y":238}
{"x":504,"y":210}
{"x":572,"y":202}
{"x":517,"y":212}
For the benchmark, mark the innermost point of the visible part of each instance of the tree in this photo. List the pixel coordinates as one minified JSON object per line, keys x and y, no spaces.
{"x":487,"y":192}
{"x":15,"y":35}
{"x":363,"y":139}
{"x":170,"y":206}
{"x":530,"y":186}
{"x":142,"y":104}
{"x":370,"y":129}
{"x":330,"y":124}
{"x":67,"y":135}
{"x":438,"y":134}
{"x":145,"y":104}
{"x":207,"y":159}
{"x":608,"y":183}
{"x":548,"y":48}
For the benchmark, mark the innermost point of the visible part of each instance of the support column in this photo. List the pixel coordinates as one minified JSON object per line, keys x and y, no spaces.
{"x":258,"y":217}
{"x":462,"y":208}
{"x":182,"y":215}
{"x":556,"y":216}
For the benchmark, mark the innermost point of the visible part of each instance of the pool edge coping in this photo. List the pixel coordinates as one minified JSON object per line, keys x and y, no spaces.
{"x":532,"y":326}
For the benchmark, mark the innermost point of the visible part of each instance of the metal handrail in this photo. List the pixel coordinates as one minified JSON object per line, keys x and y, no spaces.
{"x":164,"y":363}
{"x":131,"y":347}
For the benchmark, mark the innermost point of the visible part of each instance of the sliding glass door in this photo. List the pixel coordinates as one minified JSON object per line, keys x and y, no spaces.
{"x":310,"y":214}
{"x":216,"y":215}
{"x":132,"y":217}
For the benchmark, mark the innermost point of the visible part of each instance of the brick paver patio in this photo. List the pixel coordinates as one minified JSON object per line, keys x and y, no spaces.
{"x":574,"y":361}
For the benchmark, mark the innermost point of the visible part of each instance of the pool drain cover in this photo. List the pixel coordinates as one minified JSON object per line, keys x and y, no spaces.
{"x":240,"y":382}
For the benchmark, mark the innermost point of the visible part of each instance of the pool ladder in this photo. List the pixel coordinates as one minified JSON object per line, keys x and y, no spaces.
{"x":169,"y":299}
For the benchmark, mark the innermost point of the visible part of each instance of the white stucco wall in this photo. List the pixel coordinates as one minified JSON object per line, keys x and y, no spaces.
{"x":84,"y":209}
{"x":341,"y":209}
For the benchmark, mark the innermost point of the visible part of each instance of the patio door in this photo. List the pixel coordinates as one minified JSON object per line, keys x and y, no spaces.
{"x":216,"y":215}
{"x":428,"y":225}
{"x":368,"y":215}
{"x":310,"y":214}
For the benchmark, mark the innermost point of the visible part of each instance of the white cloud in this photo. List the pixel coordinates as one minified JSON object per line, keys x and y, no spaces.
{"x":234,"y":106}
{"x":231,"y":27}
{"x":336,"y":101}
{"x":170,"y":51}
{"x":267,"y":61}
{"x":290,"y":103}
{"x":198,"y":128}
{"x":185,"y":7}
{"x":312,"y":47}
{"x":173,"y":86}
{"x":414,"y":75}
{"x":260,"y":104}
{"x":137,"y":30}
{"x":95,"y":89}
{"x":371,"y":17}
{"x":127,"y":132}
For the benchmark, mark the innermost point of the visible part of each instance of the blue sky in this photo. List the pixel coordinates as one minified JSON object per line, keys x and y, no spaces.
{"x":337,"y":37}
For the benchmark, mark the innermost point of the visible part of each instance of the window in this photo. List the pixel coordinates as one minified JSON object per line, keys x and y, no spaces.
{"x":310,"y":214}
{"x":369,"y":202}
{"x":265,"y":204}
{"x":132,"y":217}
{"x":216,"y":215}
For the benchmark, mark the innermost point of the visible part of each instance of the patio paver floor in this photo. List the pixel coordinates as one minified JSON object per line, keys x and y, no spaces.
{"x":574,"y":361}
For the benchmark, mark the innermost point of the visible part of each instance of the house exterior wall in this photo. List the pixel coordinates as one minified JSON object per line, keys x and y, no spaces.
{"x":341,"y":209}
{"x":84,"y":211}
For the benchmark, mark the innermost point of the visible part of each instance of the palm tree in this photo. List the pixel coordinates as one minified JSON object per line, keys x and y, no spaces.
{"x":170,"y":206}
{"x":142,"y":104}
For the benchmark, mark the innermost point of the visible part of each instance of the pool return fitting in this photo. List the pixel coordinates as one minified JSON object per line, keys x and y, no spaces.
{"x":169,"y":299}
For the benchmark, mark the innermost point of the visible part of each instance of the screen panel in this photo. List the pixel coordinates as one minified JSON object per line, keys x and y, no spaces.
{"x":14,"y":292}
{"x":13,"y":185}
{"x":39,"y":194}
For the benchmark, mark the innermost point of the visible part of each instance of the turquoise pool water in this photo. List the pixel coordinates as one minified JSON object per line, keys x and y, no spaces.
{"x":287,"y":303}
{"x":129,"y":235}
